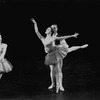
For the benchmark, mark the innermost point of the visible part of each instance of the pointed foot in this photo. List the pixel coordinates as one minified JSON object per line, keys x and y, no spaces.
{"x":61,"y":88}
{"x":57,"y":89}
{"x":84,"y":46}
{"x":51,"y":86}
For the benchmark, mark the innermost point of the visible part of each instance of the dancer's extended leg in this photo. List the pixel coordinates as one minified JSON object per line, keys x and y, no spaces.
{"x":73,"y":48}
{"x":52,"y":77}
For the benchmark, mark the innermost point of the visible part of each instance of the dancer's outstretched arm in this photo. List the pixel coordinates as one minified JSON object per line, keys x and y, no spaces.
{"x":36,"y":29}
{"x":67,"y":36}
{"x":4,"y":46}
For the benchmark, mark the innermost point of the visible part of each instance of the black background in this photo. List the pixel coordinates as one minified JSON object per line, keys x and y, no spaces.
{"x":25,"y":51}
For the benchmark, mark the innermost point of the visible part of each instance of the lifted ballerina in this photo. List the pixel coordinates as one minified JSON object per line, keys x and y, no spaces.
{"x":55,"y":53}
{"x":5,"y":65}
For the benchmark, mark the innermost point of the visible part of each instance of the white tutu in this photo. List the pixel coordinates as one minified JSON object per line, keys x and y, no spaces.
{"x":5,"y":66}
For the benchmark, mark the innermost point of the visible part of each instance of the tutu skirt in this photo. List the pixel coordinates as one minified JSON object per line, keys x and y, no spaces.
{"x":5,"y":66}
{"x":56,"y":54}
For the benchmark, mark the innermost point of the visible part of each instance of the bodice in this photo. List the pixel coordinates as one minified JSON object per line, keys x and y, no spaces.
{"x":49,"y":47}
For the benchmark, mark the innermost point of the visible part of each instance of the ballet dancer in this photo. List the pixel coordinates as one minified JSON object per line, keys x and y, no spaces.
{"x":55,"y":53}
{"x":5,"y":65}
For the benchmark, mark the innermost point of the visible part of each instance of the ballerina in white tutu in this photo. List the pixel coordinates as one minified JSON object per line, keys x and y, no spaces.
{"x":5,"y":65}
{"x":56,"y":53}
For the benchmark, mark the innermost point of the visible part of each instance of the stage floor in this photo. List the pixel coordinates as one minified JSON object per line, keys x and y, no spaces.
{"x":36,"y":92}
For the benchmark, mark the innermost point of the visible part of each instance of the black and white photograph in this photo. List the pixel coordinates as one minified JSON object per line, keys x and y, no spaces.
{"x":49,"y":50}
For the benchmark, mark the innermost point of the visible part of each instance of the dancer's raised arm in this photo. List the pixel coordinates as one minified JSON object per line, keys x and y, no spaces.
{"x":36,"y":30}
{"x":67,"y":36}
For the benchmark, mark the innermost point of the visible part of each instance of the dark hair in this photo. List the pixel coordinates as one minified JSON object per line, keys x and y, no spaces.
{"x":54,"y":27}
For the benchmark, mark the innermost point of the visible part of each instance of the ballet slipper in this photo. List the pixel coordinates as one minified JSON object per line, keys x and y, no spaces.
{"x":51,"y":86}
{"x":61,"y":88}
{"x":84,"y":46}
{"x":57,"y":88}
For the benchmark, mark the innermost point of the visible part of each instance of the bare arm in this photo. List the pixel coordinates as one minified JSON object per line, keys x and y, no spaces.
{"x":4,"y":51}
{"x":66,"y":37}
{"x":36,"y":29}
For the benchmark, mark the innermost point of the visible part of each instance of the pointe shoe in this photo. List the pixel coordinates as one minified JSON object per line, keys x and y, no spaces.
{"x":57,"y":89}
{"x":61,"y":88}
{"x":84,"y":46}
{"x":51,"y":86}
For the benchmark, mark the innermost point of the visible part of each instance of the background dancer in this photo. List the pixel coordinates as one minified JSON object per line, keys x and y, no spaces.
{"x":5,"y":65}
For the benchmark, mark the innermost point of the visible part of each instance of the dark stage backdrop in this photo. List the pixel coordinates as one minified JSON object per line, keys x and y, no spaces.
{"x":25,"y":51}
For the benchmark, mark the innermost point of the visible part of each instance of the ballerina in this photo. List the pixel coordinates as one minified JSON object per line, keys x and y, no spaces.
{"x":55,"y":53}
{"x":5,"y":65}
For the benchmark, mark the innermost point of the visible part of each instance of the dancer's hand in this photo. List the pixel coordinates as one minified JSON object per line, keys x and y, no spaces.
{"x":33,"y":20}
{"x":75,"y":35}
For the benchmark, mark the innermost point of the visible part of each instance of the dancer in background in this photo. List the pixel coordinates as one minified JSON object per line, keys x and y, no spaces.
{"x":5,"y":65}
{"x":55,"y":53}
